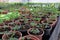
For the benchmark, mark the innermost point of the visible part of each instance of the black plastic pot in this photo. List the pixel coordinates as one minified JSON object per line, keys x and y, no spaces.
{"x":48,"y":30}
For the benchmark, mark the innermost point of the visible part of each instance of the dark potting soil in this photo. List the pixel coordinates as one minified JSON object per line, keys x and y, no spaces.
{"x":50,"y":23}
{"x":37,"y":33}
{"x":12,"y":25}
{"x":53,"y":20}
{"x":7,"y":29}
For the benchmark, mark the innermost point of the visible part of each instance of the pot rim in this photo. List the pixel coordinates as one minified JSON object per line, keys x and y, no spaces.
{"x":9,"y":33}
{"x":54,"y":22}
{"x":32,"y":28}
{"x":30,"y":36}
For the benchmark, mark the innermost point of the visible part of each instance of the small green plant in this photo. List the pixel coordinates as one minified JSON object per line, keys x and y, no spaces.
{"x":53,"y":17}
{"x":16,"y":27}
{"x":33,"y":24}
{"x":13,"y":15}
{"x":35,"y":30}
{"x":22,"y":27}
{"x":39,"y":25}
{"x":13,"y":33}
{"x":38,"y":19}
{"x":12,"y":38}
{"x":1,"y":21}
{"x":46,"y":25}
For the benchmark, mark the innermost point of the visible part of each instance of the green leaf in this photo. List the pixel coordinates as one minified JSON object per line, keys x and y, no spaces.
{"x":1,"y":20}
{"x":35,"y":30}
{"x":33,"y":24}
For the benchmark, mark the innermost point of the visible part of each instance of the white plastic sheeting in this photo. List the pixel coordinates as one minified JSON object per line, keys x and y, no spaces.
{"x":45,"y":1}
{"x":10,"y":1}
{"x":14,"y":1}
{"x":33,"y":1}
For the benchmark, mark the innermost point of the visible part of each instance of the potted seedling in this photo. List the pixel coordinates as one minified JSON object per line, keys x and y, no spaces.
{"x":37,"y":19}
{"x":1,"y":22}
{"x":53,"y":19}
{"x":17,"y":22}
{"x":44,"y":19}
{"x":12,"y":35}
{"x":33,"y":24}
{"x":12,"y":24}
{"x":36,"y":32}
{"x":35,"y":14}
{"x":24,"y":28}
{"x":22,"y":19}
{"x":47,"y":28}
{"x":26,"y":20}
{"x":39,"y":25}
{"x":4,"y":29}
{"x":16,"y":27}
{"x":49,"y":14}
{"x":29,"y":37}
